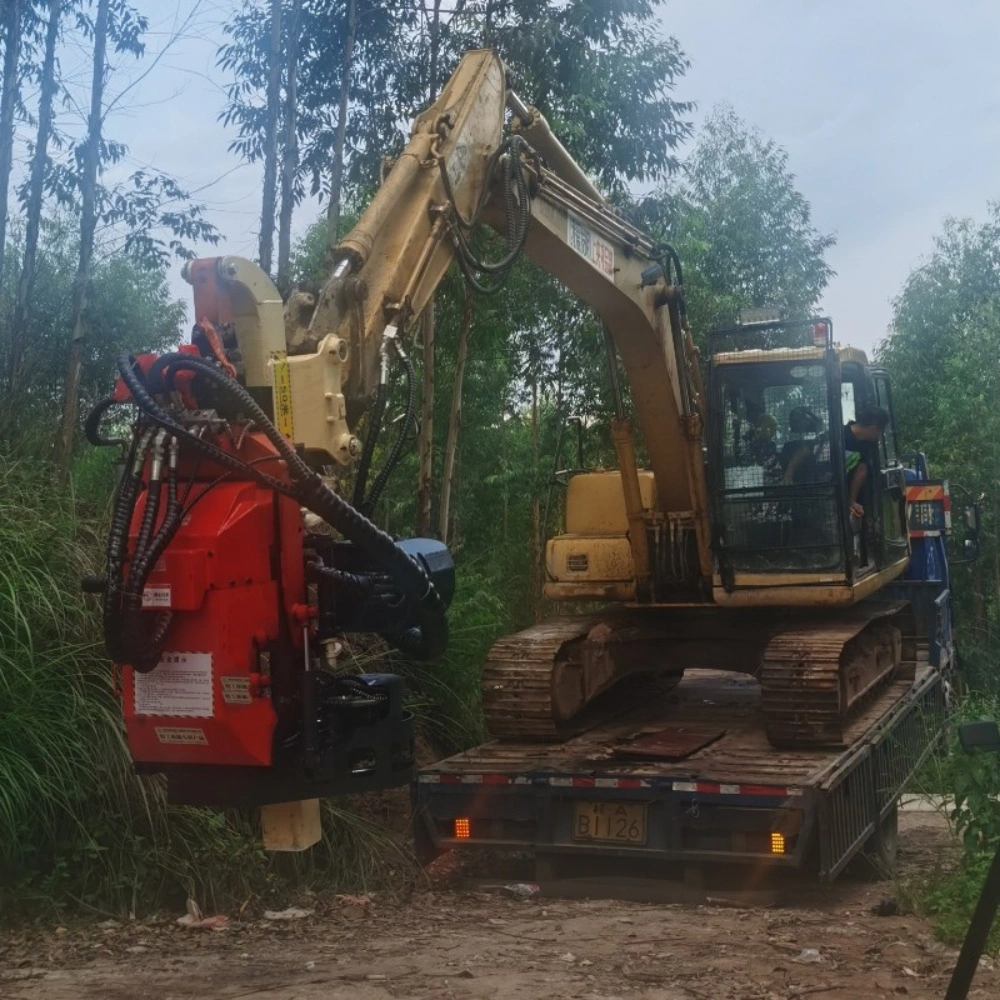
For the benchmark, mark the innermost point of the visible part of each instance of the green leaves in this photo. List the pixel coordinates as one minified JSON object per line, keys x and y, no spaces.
{"x":130,"y":308}
{"x":941,"y":351}
{"x":742,"y":228}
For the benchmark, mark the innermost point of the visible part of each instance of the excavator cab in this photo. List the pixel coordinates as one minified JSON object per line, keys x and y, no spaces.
{"x":780,"y":395}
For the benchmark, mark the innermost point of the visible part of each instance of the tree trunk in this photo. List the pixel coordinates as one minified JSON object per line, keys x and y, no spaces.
{"x":425,"y":444}
{"x":36,"y":192}
{"x":340,"y":136}
{"x":290,"y":154}
{"x":536,"y":507}
{"x":12,"y":51}
{"x":88,"y":223}
{"x":266,"y":246}
{"x":454,"y":419}
{"x":432,"y":83}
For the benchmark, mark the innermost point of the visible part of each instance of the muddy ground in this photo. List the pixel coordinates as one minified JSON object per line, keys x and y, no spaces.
{"x":454,"y":943}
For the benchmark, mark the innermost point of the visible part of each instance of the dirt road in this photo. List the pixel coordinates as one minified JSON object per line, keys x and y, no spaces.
{"x":825,"y":942}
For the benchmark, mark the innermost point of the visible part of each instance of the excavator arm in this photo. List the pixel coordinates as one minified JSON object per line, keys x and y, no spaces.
{"x":456,"y":171}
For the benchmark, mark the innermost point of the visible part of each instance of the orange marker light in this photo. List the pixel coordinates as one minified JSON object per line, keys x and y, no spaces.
{"x":777,"y":843}
{"x":463,"y":828}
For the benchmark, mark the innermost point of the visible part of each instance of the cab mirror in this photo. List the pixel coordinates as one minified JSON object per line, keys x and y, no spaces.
{"x":983,"y":735}
{"x":972,"y":518}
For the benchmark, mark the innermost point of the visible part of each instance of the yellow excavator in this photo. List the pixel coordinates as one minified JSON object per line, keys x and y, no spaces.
{"x":702,"y":559}
{"x":226,"y":594}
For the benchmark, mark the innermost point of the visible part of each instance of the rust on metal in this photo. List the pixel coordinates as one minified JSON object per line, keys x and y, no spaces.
{"x":674,"y":743}
{"x":816,"y":676}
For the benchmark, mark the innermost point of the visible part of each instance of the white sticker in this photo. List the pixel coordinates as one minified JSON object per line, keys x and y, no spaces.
{"x":184,"y":736}
{"x":236,"y":689}
{"x":156,"y":597}
{"x":599,"y":252}
{"x":458,"y":163}
{"x":179,"y":685}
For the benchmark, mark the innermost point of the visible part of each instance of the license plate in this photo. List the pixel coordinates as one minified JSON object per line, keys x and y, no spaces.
{"x":609,"y":822}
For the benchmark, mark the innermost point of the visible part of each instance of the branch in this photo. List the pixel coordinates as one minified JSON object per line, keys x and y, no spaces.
{"x":176,"y":35}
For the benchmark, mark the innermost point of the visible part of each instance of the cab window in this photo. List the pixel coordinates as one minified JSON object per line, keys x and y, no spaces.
{"x":888,"y":453}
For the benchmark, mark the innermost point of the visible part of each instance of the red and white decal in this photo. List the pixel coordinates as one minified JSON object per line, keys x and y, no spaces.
{"x":588,"y":781}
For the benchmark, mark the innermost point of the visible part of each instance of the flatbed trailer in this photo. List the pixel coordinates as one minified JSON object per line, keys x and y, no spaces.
{"x":737,"y":799}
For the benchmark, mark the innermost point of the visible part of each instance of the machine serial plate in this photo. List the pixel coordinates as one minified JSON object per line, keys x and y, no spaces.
{"x":609,"y":822}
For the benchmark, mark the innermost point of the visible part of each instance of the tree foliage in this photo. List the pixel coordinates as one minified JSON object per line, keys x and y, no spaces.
{"x":742,"y":228}
{"x":940,"y":350}
{"x":133,"y":311}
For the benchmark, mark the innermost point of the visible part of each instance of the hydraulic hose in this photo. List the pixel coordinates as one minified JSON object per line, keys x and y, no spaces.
{"x":135,"y":645}
{"x":121,"y":518}
{"x":430,"y":639}
{"x":397,"y":448}
{"x":143,"y":647}
{"x":374,"y":429}
{"x":517,"y":198}
{"x":92,"y":425}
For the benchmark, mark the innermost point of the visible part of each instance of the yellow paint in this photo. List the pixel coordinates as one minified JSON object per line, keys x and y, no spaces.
{"x":282,"y":394}
{"x":595,"y":502}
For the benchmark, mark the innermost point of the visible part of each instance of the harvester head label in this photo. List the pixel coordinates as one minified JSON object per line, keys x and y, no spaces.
{"x":179,"y":685}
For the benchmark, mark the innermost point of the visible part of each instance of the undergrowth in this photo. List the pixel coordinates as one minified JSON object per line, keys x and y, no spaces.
{"x":971,"y":783}
{"x":78,"y":829}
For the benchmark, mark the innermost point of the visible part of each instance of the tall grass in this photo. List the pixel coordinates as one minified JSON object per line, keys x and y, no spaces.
{"x":54,"y":714}
{"x":446,"y":693}
{"x":78,"y":828}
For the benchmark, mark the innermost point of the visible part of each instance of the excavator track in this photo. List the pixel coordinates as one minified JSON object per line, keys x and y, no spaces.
{"x":815,"y":671}
{"x":518,"y":680}
{"x":815,"y":676}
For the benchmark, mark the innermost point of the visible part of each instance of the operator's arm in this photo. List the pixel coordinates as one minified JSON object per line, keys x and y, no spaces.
{"x":801,"y":454}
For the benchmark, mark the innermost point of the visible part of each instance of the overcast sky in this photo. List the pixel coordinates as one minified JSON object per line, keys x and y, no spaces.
{"x":889,"y":110}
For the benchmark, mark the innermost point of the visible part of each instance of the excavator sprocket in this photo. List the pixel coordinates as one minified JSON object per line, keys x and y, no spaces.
{"x":814,"y":676}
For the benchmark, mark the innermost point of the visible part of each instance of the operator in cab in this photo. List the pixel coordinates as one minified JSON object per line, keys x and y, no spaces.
{"x":861,"y":435}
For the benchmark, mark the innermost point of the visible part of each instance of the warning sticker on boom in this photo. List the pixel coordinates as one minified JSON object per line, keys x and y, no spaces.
{"x":179,"y":685}
{"x":599,"y":252}
{"x":282,"y":394}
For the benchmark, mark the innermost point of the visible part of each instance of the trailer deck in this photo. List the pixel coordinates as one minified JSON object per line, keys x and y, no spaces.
{"x":735,"y":799}
{"x":705,"y":699}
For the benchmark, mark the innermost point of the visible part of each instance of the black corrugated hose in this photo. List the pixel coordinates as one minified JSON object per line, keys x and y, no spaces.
{"x":428,"y":640}
{"x":397,"y":447}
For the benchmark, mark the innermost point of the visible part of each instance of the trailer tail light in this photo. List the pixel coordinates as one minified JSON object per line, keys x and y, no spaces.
{"x":777,"y":843}
{"x":463,"y":828}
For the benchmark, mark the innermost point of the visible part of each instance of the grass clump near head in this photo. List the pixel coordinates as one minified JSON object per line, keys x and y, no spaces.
{"x":78,"y":829}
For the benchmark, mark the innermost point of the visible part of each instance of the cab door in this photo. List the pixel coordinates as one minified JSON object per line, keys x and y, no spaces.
{"x":892,"y":539}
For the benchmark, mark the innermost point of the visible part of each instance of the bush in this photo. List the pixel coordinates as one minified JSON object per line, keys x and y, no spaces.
{"x":950,"y":896}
